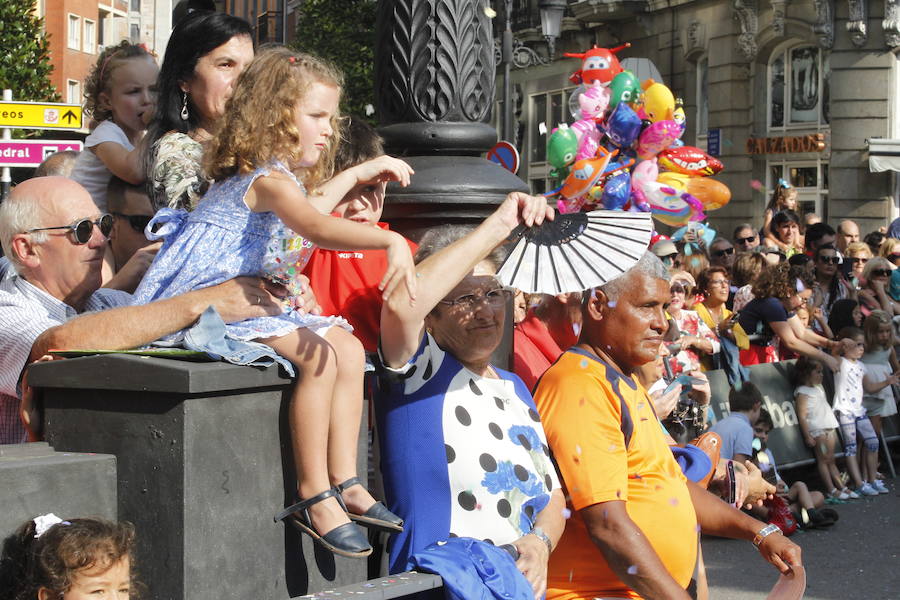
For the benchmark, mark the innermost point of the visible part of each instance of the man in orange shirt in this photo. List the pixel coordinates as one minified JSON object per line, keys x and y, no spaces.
{"x":633,"y":532}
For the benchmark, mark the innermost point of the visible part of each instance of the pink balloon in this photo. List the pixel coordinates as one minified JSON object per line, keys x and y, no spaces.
{"x":657,"y":137}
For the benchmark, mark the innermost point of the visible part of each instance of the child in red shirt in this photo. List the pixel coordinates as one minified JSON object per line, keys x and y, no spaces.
{"x":346,"y":283}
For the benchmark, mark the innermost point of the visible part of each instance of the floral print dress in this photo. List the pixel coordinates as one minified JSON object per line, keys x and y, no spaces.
{"x":176,"y":176}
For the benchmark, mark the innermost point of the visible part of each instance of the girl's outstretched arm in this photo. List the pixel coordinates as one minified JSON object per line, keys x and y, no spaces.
{"x":381,"y":169}
{"x":279,"y":194}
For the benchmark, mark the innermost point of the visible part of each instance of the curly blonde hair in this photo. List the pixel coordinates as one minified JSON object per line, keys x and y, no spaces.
{"x":259,"y":121}
{"x":97,"y":80}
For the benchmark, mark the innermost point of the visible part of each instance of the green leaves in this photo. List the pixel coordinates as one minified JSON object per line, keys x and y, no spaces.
{"x":25,"y":65}
{"x":344,"y":33}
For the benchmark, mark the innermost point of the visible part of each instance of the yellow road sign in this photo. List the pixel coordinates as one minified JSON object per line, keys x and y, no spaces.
{"x":40,"y":115}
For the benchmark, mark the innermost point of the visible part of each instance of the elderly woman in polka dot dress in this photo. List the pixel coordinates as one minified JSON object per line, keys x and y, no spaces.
{"x":463,"y":450}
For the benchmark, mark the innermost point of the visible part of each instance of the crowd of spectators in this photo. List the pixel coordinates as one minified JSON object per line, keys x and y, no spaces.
{"x":589,"y":464}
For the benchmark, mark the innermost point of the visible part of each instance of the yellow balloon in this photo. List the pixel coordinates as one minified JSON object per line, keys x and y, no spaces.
{"x":659,"y":103}
{"x":679,"y":181}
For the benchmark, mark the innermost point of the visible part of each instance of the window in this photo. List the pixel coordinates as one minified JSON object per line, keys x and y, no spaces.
{"x":74,"y":32}
{"x":549,"y":109}
{"x":702,"y":118}
{"x":809,"y":177}
{"x":135,"y":33}
{"x":135,"y":5}
{"x":90,"y":33}
{"x":73,"y":91}
{"x":799,"y":80}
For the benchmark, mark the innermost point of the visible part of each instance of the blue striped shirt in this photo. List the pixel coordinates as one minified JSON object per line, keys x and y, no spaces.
{"x":25,"y":313}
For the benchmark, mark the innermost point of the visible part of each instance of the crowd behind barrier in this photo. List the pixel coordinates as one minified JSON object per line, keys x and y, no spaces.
{"x":177,"y":223}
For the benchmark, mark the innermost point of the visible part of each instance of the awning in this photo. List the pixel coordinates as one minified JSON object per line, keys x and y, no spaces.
{"x":884,"y":155}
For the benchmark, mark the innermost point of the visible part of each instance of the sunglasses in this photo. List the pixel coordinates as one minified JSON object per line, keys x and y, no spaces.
{"x":83,"y":229}
{"x":137,"y":222}
{"x":893,"y":257}
{"x":834,"y":260}
{"x":723,"y":252}
{"x":746,"y":240}
{"x":881,"y":272}
{"x":860,"y":260}
{"x":678,"y":289}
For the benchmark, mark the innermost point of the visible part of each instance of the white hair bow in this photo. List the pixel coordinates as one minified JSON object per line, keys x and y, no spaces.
{"x":44,"y":522}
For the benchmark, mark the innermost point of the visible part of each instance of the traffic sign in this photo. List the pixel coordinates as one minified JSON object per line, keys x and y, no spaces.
{"x":31,"y":153}
{"x":40,"y":115}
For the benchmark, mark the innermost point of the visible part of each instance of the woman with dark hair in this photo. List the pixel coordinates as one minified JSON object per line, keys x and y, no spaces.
{"x":786,"y":233}
{"x":845,"y":313}
{"x":778,"y":292}
{"x":830,"y":283}
{"x":206,"y":53}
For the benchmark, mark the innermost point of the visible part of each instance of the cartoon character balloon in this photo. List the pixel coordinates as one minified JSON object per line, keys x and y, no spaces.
{"x":689,"y":161}
{"x":562,"y":145}
{"x":625,"y":87}
{"x":657,"y":137}
{"x":593,"y":104}
{"x":622,"y":126}
{"x":598,"y":64}
{"x":659,"y":103}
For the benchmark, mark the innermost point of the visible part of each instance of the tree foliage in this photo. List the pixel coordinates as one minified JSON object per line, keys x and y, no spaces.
{"x":25,"y":53}
{"x":344,"y":33}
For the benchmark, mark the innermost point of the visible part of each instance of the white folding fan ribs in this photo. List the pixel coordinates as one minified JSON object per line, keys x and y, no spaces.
{"x":576,"y":251}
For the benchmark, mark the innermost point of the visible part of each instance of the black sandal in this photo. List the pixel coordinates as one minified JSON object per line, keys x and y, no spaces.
{"x":345,"y":540}
{"x":378,"y":517}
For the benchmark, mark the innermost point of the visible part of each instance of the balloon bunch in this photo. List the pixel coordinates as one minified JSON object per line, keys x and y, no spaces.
{"x":624,"y":149}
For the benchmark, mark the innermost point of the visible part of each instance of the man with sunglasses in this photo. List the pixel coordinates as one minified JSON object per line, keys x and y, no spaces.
{"x":130,"y":252}
{"x":830,"y":283}
{"x":55,"y":240}
{"x":745,"y":237}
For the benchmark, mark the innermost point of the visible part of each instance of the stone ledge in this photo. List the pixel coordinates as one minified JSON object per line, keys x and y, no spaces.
{"x":128,"y":372}
{"x":400,"y":585}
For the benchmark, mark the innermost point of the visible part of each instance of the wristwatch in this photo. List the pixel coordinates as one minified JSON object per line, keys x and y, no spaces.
{"x":764,"y":533}
{"x":539,"y":534}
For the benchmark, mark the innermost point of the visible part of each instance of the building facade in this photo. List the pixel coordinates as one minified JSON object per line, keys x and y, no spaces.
{"x":78,"y":31}
{"x":779,"y":89}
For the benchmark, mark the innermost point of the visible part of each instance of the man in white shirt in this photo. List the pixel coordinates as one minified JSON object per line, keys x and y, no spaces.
{"x":55,"y":238}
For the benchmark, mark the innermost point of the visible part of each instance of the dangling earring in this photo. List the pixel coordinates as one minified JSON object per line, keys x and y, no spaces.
{"x":184,"y":110}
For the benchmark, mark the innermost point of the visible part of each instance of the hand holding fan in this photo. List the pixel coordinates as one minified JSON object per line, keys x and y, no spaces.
{"x":576,"y":251}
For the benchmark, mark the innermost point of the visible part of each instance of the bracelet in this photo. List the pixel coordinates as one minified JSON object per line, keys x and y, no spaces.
{"x":539,"y":534}
{"x":764,"y":533}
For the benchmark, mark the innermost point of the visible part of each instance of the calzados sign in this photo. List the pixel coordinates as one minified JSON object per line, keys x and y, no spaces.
{"x":814,"y":142}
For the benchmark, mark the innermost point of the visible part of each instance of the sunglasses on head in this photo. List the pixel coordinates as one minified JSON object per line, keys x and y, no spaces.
{"x":746,"y":240}
{"x":834,"y":260}
{"x":723,"y":252}
{"x":137,"y":222}
{"x":83,"y":229}
{"x":881,"y":272}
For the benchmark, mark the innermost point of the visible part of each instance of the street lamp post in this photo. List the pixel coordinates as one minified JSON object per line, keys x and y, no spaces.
{"x":515,"y":52}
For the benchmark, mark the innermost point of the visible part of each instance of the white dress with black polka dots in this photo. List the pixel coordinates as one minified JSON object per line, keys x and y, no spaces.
{"x":462,"y":455}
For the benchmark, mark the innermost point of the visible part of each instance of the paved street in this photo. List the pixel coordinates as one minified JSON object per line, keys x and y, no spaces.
{"x":859,"y":557}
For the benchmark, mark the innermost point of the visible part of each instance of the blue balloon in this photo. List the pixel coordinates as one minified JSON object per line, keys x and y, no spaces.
{"x":617,"y":191}
{"x":622,"y":126}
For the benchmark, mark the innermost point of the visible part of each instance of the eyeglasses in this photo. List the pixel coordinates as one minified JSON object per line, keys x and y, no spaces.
{"x":669,"y":259}
{"x":496,"y":298}
{"x":881,"y":272}
{"x":723,"y":282}
{"x":834,"y":260}
{"x":678,"y":289}
{"x":858,"y":259}
{"x":137,"y":222}
{"x":83,"y":228}
{"x":745,"y":240}
{"x":723,"y":252}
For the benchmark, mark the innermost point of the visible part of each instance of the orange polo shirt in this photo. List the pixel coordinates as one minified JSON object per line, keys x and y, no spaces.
{"x":580,"y":400}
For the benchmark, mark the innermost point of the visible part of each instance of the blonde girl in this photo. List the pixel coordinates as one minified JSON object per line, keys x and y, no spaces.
{"x":120,"y":95}
{"x":79,"y":559}
{"x":881,"y":361}
{"x":276,"y":140}
{"x":818,"y":425}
